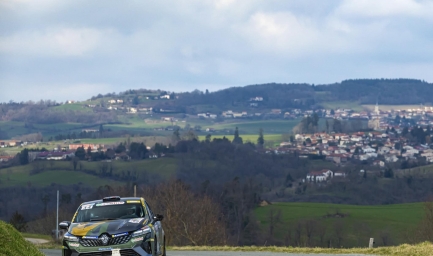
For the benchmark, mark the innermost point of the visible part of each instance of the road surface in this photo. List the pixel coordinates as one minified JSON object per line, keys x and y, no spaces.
{"x":197,"y":253}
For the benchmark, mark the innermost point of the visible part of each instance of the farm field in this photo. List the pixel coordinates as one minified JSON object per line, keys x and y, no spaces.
{"x":356,"y":106}
{"x":393,"y":107}
{"x":61,"y":172}
{"x":396,"y":219}
{"x":275,"y":138}
{"x":62,"y":177}
{"x":253,"y":127}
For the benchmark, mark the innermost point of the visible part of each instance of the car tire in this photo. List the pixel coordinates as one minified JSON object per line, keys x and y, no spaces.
{"x":163,"y":249}
{"x":66,"y":252}
{"x":155,"y":248}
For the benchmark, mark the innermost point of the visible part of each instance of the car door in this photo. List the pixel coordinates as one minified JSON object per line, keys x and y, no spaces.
{"x":158,"y":228}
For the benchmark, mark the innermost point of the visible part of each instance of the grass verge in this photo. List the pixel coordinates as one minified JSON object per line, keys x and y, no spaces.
{"x":12,"y":243}
{"x":422,"y":249}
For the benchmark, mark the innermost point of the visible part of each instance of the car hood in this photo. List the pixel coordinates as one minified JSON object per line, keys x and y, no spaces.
{"x":112,"y":227}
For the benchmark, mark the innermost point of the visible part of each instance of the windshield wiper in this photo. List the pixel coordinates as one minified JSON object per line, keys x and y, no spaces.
{"x":103,"y":219}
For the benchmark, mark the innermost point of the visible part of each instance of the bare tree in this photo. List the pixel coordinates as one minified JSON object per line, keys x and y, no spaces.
{"x":339,"y":232}
{"x":189,"y":219}
{"x":385,"y":237}
{"x":310,"y":229}
{"x":274,"y":218}
{"x":298,"y":233}
{"x":321,"y":232}
{"x":424,"y":231}
{"x":288,"y":237}
{"x":363,"y":232}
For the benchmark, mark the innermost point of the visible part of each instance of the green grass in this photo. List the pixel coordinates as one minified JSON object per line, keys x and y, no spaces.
{"x":253,"y":127}
{"x":397,"y":219}
{"x":60,"y":172}
{"x":423,"y":249}
{"x":74,"y":107}
{"x":356,"y":106}
{"x":276,"y":138}
{"x":392,"y":107}
{"x":12,"y":243}
{"x":39,"y":236}
{"x":62,"y":177}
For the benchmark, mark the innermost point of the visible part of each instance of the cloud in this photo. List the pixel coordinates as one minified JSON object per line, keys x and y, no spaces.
{"x":186,"y":45}
{"x":54,"y":42}
{"x":386,"y":8}
{"x":57,"y":91}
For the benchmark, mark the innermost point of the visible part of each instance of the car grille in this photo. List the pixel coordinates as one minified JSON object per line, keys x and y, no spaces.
{"x":111,"y":241}
{"x":128,"y":252}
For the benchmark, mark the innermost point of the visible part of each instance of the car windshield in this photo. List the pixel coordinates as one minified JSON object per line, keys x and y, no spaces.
{"x":109,"y":211}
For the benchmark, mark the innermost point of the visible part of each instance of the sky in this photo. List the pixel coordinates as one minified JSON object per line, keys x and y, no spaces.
{"x":72,"y":50}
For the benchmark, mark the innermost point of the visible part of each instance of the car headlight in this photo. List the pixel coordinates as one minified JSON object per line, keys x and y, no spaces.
{"x":69,"y":237}
{"x":142,"y":231}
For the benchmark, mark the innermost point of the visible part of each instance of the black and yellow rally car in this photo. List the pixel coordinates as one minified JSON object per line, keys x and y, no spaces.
{"x":114,"y":226}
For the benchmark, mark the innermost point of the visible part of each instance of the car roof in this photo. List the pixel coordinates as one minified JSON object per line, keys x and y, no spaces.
{"x":121,"y":199}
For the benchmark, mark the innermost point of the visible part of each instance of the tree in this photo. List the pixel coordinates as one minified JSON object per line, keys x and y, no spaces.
{"x":327,"y":125}
{"x":181,"y":229}
{"x":101,"y":130}
{"x":80,"y":153}
{"x":75,"y":161}
{"x":260,"y":140}
{"x":24,"y":157}
{"x":388,"y":173}
{"x":45,"y":199}
{"x":405,"y":131}
{"x":176,"y":135}
{"x":120,"y":148}
{"x":135,"y":100}
{"x":337,"y":126}
{"x":18,"y":222}
{"x":237,"y":139}
{"x":208,"y":137}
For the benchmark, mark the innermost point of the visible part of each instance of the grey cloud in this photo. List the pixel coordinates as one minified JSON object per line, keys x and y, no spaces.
{"x":185,"y":45}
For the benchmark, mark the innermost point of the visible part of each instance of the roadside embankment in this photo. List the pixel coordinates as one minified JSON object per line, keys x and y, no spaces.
{"x":12,"y":243}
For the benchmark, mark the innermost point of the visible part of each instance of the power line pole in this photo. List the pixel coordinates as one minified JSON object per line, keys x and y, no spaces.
{"x":57,"y":220}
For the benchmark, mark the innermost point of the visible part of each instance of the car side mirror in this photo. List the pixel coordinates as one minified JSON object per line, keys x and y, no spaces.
{"x":64,"y":225}
{"x":158,"y":217}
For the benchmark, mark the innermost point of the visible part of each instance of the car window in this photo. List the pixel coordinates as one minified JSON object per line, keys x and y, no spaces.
{"x":109,"y":210}
{"x":150,"y":210}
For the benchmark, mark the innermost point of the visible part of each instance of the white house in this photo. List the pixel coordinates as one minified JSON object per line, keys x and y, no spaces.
{"x":368,"y":150}
{"x":391,"y":158}
{"x":340,"y":174}
{"x":319,"y":176}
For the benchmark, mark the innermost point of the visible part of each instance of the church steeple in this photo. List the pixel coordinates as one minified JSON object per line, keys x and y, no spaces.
{"x":376,"y":108}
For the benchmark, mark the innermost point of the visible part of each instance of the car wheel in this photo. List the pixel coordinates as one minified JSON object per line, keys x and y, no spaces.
{"x":155,"y":248}
{"x":66,"y":253}
{"x":163,"y":248}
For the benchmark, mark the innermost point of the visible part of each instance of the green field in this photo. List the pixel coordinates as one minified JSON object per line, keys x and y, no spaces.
{"x":275,"y":138}
{"x":356,"y":106}
{"x":369,"y":221}
{"x":61,"y":172}
{"x":253,"y":127}
{"x":393,"y":107}
{"x":74,"y":107}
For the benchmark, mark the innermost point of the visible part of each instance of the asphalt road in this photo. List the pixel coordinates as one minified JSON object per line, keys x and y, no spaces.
{"x":197,"y":253}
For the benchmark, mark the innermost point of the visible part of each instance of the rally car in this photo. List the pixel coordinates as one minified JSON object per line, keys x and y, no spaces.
{"x":114,"y":226}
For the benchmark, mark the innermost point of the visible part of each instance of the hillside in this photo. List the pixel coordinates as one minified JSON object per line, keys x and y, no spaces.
{"x":13,"y":244}
{"x":41,"y":174}
{"x":388,"y":224}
